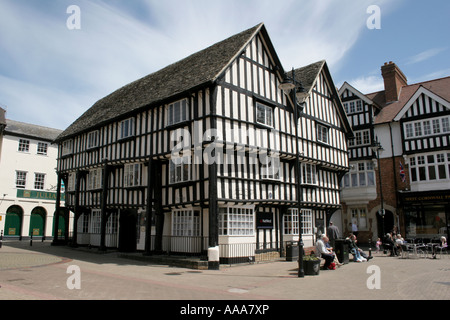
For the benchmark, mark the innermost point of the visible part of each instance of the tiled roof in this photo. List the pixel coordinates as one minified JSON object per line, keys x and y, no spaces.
{"x":440,"y":87}
{"x":197,"y":70}
{"x":31,"y":130}
{"x":308,"y":75}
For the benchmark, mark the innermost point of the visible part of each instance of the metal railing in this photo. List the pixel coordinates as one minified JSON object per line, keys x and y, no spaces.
{"x":197,"y":246}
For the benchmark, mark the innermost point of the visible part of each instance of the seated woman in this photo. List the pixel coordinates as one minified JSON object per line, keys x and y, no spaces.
{"x":322,"y":252}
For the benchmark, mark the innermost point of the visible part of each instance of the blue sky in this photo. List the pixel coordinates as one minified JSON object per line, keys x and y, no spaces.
{"x":50,"y":74}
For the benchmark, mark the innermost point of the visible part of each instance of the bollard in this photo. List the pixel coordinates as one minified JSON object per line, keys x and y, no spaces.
{"x":31,"y":240}
{"x":213,"y":258}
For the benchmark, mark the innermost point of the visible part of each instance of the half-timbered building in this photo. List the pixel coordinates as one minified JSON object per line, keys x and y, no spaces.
{"x":201,"y":154}
{"x":412,"y":125}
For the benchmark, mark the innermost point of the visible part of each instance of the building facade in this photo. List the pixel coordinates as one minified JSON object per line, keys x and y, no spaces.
{"x":28,"y":181}
{"x":407,"y":188}
{"x":202,"y":154}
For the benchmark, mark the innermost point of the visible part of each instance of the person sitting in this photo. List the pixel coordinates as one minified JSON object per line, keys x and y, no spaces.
{"x":322,"y":252}
{"x":390,"y":244}
{"x":399,"y":242}
{"x":354,"y":250}
{"x":358,"y":254}
{"x":330,"y":250}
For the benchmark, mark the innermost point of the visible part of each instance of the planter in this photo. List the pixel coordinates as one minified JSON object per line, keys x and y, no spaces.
{"x":311,"y":267}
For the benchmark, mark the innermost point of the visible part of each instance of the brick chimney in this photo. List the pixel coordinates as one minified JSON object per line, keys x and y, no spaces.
{"x":394,"y":80}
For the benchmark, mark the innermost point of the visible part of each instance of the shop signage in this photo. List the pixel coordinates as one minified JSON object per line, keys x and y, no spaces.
{"x":264,"y":220}
{"x":41,"y":195}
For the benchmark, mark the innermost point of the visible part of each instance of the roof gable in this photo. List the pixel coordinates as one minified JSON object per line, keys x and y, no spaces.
{"x":199,"y":69}
{"x":347,"y":86}
{"x":438,"y":88}
{"x":421,"y":90}
{"x":308,"y":77}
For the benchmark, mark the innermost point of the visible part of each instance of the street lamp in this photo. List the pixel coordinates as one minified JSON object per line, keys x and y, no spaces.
{"x":377,"y":149}
{"x":290,"y":87}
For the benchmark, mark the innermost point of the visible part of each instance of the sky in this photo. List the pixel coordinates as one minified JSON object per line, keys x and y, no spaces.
{"x":56,"y":62}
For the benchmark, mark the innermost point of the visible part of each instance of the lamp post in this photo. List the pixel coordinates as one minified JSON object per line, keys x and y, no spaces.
{"x":377,"y":148}
{"x":290,"y":87}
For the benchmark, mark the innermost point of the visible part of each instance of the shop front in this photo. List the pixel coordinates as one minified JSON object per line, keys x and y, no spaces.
{"x":426,"y":214}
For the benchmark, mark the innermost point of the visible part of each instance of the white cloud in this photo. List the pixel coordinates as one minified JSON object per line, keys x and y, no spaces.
{"x":367,"y":84}
{"x":48,"y":67}
{"x":425,"y":55}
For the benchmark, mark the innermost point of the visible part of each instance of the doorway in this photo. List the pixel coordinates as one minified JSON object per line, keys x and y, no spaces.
{"x":385,"y":224}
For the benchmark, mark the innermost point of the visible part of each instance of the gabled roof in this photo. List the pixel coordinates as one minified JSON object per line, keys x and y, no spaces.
{"x":28,"y":130}
{"x":347,"y":86}
{"x":389,"y":112}
{"x":421,"y":90}
{"x":308,"y":77}
{"x":198,"y":70}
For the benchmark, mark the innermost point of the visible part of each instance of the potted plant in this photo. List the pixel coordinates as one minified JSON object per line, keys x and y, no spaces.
{"x":311,"y":265}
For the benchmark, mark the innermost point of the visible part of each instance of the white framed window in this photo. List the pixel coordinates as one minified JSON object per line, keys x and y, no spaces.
{"x":362,"y":138}
{"x":427,"y":127}
{"x":264,"y":114}
{"x":307,"y":222}
{"x":93,"y":139}
{"x":112,"y":223}
{"x":322,"y":133}
{"x":42,"y":148}
{"x":39,"y":181}
{"x":309,"y":174}
{"x":446,"y":124}
{"x":83,"y":223}
{"x":291,"y":222}
{"x":21,"y":179}
{"x":359,"y":215}
{"x":95,"y":179}
{"x":409,"y":130}
{"x":359,"y":106}
{"x":179,"y":170}
{"x":236,"y":221}
{"x":361,"y":174}
{"x":430,"y":167}
{"x":126,"y":128}
{"x":177,"y":112}
{"x":95,"y":222}
{"x":186,"y":223}
{"x":132,"y":175}
{"x":436,"y":126}
{"x":24,"y":145}
{"x":351,"y":107}
{"x":271,"y":169}
{"x":67,"y":147}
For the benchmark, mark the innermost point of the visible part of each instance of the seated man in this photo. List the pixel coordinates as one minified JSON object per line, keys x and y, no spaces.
{"x":322,"y":252}
{"x":358,"y":254}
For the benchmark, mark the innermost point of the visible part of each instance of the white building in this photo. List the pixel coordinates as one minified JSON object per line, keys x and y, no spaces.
{"x":28,"y":181}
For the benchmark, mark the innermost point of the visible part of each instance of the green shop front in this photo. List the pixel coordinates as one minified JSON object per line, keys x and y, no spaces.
{"x":426,"y":214}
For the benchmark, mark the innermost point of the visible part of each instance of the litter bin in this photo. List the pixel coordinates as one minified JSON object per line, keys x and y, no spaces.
{"x":341,"y":249}
{"x":291,"y":251}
